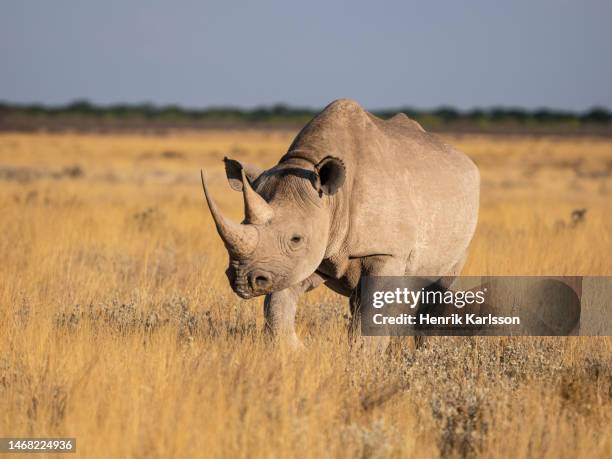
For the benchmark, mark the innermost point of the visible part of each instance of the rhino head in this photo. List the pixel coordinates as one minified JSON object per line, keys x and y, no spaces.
{"x":284,"y":235}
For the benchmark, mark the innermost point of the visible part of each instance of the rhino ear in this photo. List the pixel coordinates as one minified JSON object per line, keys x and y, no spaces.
{"x":233,"y":170}
{"x":331,"y":173}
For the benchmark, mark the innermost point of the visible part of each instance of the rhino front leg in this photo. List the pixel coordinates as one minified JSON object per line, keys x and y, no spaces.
{"x":280,"y":308}
{"x":380,"y":265}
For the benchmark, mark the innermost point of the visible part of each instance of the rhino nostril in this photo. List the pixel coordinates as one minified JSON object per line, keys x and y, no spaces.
{"x":260,"y":280}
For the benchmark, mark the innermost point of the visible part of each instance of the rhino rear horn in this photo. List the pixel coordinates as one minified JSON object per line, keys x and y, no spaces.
{"x":256,"y":210}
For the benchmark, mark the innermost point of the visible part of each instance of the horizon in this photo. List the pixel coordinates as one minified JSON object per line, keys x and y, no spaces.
{"x":291,"y":107}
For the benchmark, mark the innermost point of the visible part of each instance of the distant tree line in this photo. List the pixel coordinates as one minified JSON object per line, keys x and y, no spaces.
{"x":82,"y":112}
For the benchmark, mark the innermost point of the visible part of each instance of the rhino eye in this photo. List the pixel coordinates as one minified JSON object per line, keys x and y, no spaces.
{"x":296,"y":239}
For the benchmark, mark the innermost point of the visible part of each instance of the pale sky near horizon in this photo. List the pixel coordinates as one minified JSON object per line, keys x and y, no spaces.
{"x":530,"y":54}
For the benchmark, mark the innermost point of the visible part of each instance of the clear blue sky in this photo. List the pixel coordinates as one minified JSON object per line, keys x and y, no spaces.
{"x":538,"y":53}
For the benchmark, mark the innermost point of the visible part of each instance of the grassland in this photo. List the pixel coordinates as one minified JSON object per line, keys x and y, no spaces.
{"x":117,"y":325}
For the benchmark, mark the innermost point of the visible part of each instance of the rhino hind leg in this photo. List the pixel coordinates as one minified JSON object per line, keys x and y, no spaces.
{"x":445,"y":282}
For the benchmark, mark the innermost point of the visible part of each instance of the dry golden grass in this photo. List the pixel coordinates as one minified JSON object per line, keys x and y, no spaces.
{"x":118,"y":327}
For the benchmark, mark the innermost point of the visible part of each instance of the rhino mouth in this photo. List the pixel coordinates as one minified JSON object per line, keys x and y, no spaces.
{"x":239,"y":287}
{"x":245,"y":295}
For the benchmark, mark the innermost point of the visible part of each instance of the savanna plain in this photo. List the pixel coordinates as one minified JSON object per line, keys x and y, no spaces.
{"x":118,"y":326}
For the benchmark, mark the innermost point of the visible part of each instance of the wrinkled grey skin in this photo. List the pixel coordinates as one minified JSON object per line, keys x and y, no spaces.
{"x":353,"y":196}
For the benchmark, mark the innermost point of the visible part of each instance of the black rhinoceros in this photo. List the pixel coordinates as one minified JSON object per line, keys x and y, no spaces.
{"x":354,"y":195}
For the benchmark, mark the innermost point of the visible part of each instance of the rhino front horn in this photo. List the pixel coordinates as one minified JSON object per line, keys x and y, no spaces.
{"x":239,"y":239}
{"x":256,"y":210}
